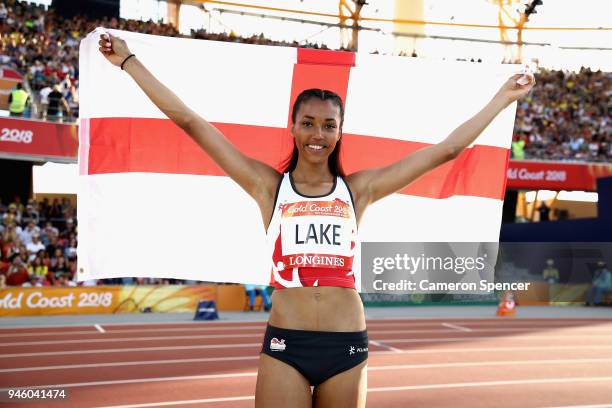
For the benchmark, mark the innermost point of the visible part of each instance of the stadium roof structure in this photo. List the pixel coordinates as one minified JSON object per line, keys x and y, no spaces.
{"x":511,"y":21}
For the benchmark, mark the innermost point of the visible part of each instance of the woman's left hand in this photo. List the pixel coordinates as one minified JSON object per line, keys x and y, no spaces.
{"x":511,"y":90}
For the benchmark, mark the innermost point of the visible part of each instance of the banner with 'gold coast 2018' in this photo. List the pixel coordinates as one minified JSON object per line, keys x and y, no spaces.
{"x":21,"y":301}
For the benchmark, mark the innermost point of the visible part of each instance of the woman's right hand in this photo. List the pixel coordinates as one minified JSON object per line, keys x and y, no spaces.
{"x":114,"y":49}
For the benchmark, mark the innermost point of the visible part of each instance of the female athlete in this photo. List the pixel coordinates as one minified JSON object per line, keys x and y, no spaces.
{"x":316,"y":335}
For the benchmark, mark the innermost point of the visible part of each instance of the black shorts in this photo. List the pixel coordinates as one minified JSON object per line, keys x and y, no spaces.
{"x":317,"y":355}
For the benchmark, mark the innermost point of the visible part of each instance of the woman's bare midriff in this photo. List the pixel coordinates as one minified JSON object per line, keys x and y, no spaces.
{"x":325,"y":308}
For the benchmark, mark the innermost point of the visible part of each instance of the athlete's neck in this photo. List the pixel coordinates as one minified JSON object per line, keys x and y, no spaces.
{"x":312,"y":173}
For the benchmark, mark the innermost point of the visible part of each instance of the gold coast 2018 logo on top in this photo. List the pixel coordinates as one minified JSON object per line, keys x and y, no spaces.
{"x":336,"y":208}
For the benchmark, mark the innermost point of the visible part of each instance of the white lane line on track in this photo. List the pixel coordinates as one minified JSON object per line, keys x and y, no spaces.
{"x":488,"y":363}
{"x":99,"y":328}
{"x":391,"y":321}
{"x":586,"y":406}
{"x":513,"y":338}
{"x":193,"y":378}
{"x":187,"y":329}
{"x":128,"y":363}
{"x":386,"y":389}
{"x":379,"y":344}
{"x":374,"y":368}
{"x":247,"y":345}
{"x":370,"y":330}
{"x":185,"y":402}
{"x":138,"y":381}
{"x":494,"y":322}
{"x":490,"y":383}
{"x":133,"y":350}
{"x":225,"y":336}
{"x":457,"y":327}
{"x":116,"y":339}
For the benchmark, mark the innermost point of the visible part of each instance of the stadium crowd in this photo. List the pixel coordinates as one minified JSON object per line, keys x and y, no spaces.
{"x":566,"y":117}
{"x":38,"y":244}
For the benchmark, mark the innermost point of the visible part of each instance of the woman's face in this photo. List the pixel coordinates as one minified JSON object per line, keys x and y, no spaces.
{"x":316,"y":130}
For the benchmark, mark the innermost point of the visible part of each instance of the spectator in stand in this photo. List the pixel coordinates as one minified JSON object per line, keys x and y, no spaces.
{"x":54,"y":245}
{"x":44,"y":256}
{"x":20,"y":206}
{"x":71,"y":249}
{"x":57,"y":105}
{"x":38,"y":281}
{"x":13,"y":214}
{"x":70,"y":229}
{"x":48,"y":233}
{"x":66,"y":207}
{"x":17,"y":273}
{"x":10,"y":242}
{"x":37,"y":268}
{"x":66,"y":281}
{"x":29,"y":232}
{"x":72,"y":267}
{"x":61,"y":268}
{"x":56,"y":255}
{"x":3,"y":264}
{"x":3,"y":13}
{"x":44,"y":97}
{"x":43,"y":209}
{"x":30,"y":214}
{"x":34,"y":247}
{"x":55,"y":212}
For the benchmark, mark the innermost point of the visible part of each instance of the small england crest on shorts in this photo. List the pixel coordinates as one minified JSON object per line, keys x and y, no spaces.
{"x":277,"y":345}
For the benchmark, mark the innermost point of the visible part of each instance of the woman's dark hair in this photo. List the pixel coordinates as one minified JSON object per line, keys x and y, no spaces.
{"x":335,"y":166}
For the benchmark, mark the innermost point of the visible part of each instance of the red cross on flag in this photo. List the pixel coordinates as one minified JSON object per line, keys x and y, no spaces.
{"x":153,"y":204}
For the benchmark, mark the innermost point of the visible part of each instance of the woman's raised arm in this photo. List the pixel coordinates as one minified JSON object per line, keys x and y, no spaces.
{"x":255,"y":177}
{"x":373,"y":184}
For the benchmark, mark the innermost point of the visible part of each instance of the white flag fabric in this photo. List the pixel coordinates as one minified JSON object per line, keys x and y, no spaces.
{"x":152,"y":204}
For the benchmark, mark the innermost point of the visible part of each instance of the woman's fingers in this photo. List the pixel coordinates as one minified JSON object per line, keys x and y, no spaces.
{"x":105,"y":46}
{"x":105,"y":40}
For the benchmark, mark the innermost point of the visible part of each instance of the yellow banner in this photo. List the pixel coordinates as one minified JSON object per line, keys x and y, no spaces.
{"x":103,"y":299}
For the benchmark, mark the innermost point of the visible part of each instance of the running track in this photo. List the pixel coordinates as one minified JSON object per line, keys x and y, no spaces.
{"x":413,"y":363}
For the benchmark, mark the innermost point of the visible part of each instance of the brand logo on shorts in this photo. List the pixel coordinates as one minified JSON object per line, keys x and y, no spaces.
{"x":277,"y":345}
{"x":353,"y":350}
